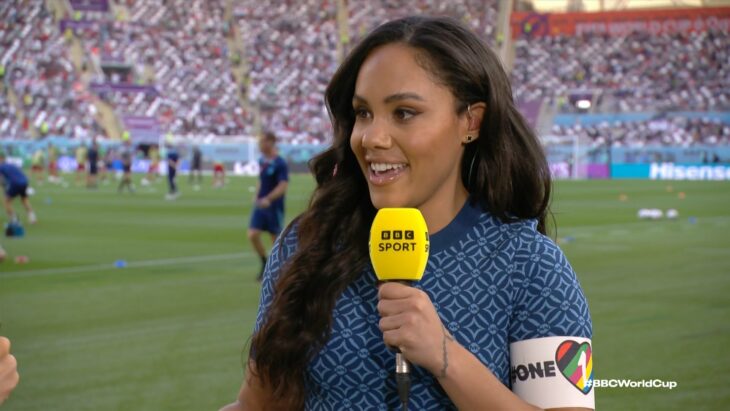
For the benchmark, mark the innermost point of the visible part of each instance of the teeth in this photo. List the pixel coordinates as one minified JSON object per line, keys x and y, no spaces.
{"x":380,"y":167}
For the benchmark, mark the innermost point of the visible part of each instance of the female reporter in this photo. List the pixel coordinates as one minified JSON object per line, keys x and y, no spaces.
{"x":423,"y":117}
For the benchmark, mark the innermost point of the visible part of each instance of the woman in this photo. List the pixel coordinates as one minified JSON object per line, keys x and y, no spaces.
{"x":423,"y":117}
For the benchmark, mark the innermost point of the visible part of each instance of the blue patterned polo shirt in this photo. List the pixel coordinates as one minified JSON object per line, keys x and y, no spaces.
{"x":491,"y":283}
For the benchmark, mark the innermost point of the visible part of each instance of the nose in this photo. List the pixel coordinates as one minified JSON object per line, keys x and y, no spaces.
{"x":376,"y":136}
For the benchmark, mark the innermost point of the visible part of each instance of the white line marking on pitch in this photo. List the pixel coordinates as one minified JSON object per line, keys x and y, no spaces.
{"x":131,"y":264}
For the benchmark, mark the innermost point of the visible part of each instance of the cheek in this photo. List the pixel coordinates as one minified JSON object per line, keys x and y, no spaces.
{"x":437,"y":150}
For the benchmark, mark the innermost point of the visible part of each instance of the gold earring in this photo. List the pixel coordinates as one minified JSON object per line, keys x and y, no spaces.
{"x":469,"y":137}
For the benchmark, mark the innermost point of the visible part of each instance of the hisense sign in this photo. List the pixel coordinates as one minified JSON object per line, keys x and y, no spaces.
{"x":671,"y":171}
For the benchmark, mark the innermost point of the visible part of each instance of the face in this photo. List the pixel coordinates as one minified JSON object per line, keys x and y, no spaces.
{"x":265,"y":146}
{"x":407,"y":135}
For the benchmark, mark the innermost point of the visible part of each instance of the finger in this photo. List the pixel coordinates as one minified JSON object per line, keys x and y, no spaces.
{"x":9,"y":365}
{"x":394,"y":290}
{"x":395,"y":322}
{"x":393,"y":307}
{"x":8,"y":386}
{"x":399,"y":339}
{"x":393,"y":338}
{"x":4,"y":346}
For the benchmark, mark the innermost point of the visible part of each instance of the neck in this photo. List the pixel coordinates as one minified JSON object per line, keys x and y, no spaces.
{"x":439,"y":215}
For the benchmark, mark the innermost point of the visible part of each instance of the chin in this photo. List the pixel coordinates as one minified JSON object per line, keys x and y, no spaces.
{"x":382,"y":199}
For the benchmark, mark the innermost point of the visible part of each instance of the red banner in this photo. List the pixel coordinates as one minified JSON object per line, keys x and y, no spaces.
{"x":619,"y":23}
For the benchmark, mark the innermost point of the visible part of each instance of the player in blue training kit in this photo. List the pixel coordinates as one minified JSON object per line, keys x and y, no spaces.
{"x":126,"y":156}
{"x":268,"y":214}
{"x":173,"y":159}
{"x":16,"y":184}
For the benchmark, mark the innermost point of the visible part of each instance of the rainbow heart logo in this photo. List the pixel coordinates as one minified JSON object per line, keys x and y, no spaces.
{"x":575,"y":362}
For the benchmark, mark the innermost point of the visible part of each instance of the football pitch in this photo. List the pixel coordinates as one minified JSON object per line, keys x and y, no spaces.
{"x":131,"y":302}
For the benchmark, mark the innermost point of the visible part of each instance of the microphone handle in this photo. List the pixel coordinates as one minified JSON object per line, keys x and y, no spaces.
{"x":402,"y":379}
{"x":402,"y":366}
{"x":402,"y":370}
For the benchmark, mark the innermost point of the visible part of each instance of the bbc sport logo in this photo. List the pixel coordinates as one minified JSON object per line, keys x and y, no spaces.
{"x":625,"y":383}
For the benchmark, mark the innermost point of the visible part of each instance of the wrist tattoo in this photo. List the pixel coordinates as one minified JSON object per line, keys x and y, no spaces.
{"x":446,"y":337}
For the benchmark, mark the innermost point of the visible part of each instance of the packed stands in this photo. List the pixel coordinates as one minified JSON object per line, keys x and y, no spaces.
{"x":173,"y":66}
{"x":178,"y":49}
{"x":293,"y":52}
{"x":636,"y":72}
{"x":674,"y":131}
{"x":40,"y":82}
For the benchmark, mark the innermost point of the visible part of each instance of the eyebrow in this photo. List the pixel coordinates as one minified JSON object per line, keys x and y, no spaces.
{"x":393,"y":97}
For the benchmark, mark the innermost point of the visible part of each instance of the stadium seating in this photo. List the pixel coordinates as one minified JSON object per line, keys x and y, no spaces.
{"x":293,"y":52}
{"x":674,"y":131}
{"x":638,"y":72}
{"x":180,"y":49}
{"x":202,"y":69}
{"x":41,"y":84}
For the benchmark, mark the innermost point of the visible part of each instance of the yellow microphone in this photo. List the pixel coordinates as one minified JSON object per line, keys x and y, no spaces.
{"x":399,"y":244}
{"x":399,"y":247}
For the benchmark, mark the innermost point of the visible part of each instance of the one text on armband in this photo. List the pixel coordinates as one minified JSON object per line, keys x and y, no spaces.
{"x":553,"y":372}
{"x":523,"y":372}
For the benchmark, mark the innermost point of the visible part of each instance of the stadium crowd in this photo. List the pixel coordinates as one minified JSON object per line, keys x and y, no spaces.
{"x":294,"y":52}
{"x":291,"y":50}
{"x":179,"y":48}
{"x":182,"y":55}
{"x":638,"y":72}
{"x":40,"y":77}
{"x":669,"y":131}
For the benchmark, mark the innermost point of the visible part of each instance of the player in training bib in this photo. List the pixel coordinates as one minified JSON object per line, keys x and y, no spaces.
{"x":268,"y":212}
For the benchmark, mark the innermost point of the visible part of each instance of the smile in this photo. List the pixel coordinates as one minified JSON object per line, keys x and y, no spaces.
{"x":383,"y":173}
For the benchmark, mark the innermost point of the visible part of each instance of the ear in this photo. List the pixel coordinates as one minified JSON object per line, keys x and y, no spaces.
{"x":475,"y":115}
{"x":473,"y":121}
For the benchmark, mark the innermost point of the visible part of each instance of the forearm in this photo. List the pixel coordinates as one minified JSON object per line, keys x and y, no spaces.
{"x":278,"y":191}
{"x":471,"y":386}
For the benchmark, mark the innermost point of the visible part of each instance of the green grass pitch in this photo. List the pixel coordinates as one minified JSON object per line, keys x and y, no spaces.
{"x":168,"y":331}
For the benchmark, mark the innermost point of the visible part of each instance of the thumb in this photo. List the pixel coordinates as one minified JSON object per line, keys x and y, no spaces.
{"x":4,"y":347}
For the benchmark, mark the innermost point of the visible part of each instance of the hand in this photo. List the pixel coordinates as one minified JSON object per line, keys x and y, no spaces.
{"x":409,"y":321}
{"x":263,"y":202}
{"x":8,"y":370}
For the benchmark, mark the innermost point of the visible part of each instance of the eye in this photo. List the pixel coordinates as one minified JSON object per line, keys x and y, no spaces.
{"x":404,"y":114}
{"x":361,"y":113}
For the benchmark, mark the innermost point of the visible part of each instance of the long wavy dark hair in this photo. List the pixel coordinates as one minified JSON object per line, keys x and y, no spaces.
{"x":504,"y":170}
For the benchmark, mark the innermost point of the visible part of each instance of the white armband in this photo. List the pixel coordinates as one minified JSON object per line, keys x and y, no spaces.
{"x":553,"y":372}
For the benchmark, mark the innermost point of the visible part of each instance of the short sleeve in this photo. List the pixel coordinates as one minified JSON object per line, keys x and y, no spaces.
{"x":283,"y":248}
{"x":547,"y":298}
{"x":282,"y":172}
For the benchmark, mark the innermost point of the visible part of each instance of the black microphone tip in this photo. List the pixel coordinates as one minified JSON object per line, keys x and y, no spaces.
{"x":403,"y":383}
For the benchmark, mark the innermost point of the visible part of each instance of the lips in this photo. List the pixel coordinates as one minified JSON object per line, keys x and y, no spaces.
{"x":383,"y":173}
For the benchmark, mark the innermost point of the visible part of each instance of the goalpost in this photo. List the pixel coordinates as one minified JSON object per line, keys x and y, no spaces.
{"x":569,"y":156}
